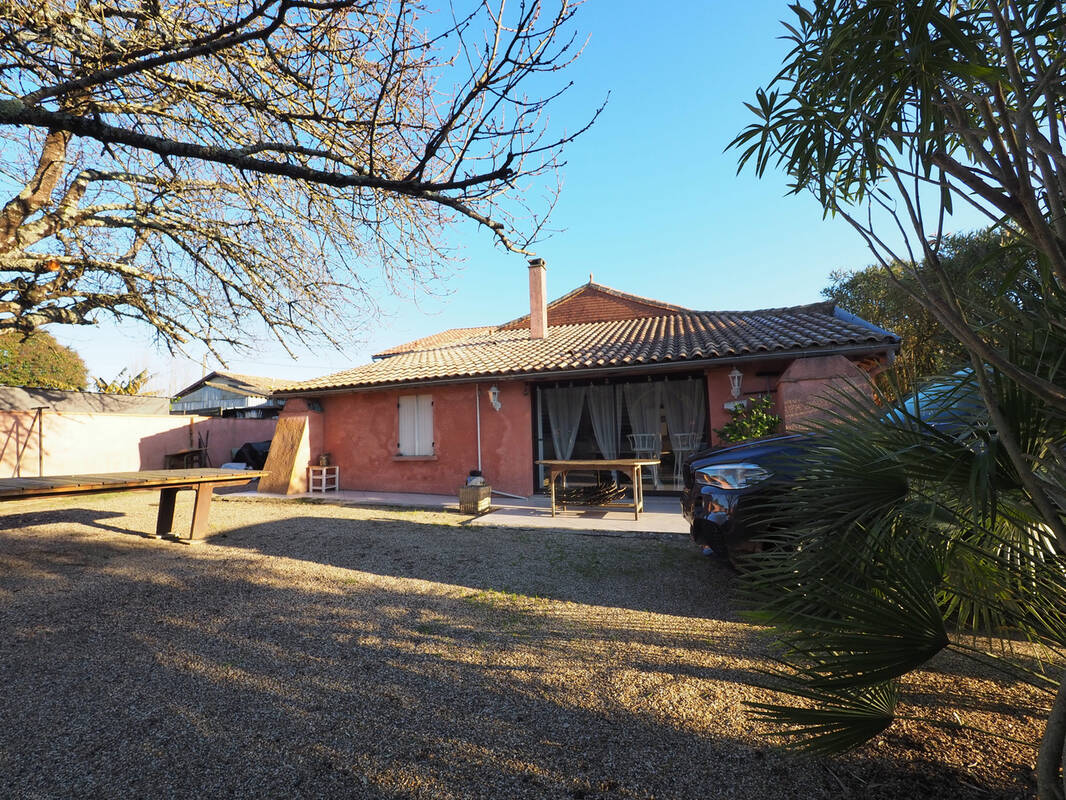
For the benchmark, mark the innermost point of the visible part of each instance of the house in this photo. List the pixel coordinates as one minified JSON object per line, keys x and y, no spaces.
{"x":597,"y":373}
{"x":229,"y":394}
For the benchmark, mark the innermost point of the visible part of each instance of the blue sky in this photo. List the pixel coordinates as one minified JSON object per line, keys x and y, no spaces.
{"x":651,"y":202}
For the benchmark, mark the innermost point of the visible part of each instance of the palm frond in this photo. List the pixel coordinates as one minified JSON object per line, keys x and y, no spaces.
{"x":899,"y":532}
{"x":839,"y":720}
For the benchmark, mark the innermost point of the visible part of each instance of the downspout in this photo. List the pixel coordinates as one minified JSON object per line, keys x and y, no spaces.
{"x":477,"y":406}
{"x":40,"y":441}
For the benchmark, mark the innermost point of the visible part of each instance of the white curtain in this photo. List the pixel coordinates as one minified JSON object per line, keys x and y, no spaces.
{"x":564,"y":406}
{"x":606,"y":419}
{"x":686,"y":407}
{"x":643,"y":401}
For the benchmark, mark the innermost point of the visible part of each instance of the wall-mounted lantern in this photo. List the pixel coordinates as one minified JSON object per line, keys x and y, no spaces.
{"x":735,"y":379}
{"x":494,"y":397}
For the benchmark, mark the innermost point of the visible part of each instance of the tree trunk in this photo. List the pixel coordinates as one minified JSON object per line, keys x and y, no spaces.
{"x":1049,"y":762}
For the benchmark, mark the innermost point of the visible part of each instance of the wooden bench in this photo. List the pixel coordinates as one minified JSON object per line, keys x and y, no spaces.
{"x":168,"y":481}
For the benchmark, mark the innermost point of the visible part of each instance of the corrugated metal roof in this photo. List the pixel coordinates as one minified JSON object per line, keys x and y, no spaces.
{"x":250,"y":385}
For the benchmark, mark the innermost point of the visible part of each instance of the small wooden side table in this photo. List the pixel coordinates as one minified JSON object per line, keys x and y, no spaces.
{"x":323,"y":479}
{"x":185,"y":459}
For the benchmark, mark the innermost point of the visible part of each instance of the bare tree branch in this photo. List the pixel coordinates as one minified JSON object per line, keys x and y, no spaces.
{"x":201,"y":167}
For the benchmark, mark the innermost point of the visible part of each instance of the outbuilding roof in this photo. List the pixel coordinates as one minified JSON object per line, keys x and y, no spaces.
{"x":651,"y":334}
{"x":248,"y":385}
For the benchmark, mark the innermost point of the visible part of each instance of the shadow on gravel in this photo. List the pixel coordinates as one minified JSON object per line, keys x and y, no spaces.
{"x":659,"y":575}
{"x":89,"y":517}
{"x":665,"y":576}
{"x":190,"y":674}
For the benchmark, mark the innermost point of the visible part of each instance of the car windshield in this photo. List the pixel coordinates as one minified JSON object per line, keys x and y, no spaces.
{"x":952,"y":402}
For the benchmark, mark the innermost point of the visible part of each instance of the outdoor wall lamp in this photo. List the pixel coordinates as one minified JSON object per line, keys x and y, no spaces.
{"x":735,"y":378}
{"x":494,"y":397}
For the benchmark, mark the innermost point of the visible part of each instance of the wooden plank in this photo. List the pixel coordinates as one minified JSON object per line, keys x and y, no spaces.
{"x":104,"y":479}
{"x":100,"y":478}
{"x":290,"y":453}
{"x":200,"y":511}
{"x":600,"y":464}
{"x":18,"y":488}
{"x":17,"y":483}
{"x":164,"y":523}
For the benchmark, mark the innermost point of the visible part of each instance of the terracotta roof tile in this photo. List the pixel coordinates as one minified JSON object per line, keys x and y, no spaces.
{"x":684,"y":336}
{"x":436,"y":340}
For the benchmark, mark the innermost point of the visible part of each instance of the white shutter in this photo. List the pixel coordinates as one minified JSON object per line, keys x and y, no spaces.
{"x":425,"y":425}
{"x":408,"y":413}
{"x":415,"y":425}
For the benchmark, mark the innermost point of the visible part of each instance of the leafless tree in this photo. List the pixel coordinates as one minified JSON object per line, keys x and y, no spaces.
{"x":208,"y":166}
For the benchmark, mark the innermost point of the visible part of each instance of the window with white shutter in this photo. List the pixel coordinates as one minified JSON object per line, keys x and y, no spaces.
{"x":415,"y":425}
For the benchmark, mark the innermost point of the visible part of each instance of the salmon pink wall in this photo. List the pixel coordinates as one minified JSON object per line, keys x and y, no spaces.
{"x":717,"y":394}
{"x":809,"y":383}
{"x":759,"y":378}
{"x":360,"y":431}
{"x":76,"y":443}
{"x":796,"y":385}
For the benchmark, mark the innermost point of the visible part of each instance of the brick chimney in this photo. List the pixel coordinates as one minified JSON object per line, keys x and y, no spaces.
{"x":538,"y":304}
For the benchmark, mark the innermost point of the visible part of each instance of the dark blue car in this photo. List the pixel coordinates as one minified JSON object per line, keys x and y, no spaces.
{"x":725,"y":487}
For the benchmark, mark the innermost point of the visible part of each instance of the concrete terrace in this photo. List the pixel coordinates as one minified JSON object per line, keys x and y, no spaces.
{"x":661,"y":514}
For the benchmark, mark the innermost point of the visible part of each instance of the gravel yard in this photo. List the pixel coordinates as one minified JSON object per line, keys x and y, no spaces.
{"x":310,"y":650}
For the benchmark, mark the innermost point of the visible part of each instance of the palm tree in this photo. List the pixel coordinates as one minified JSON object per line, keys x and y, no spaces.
{"x":910,"y":533}
{"x":892,"y":115}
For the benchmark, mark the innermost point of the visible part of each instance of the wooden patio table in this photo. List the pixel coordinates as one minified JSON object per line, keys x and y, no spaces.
{"x":168,"y":481}
{"x":630,"y":466}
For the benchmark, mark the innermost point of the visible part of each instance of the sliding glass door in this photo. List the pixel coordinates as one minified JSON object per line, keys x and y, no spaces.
{"x":662,"y":418}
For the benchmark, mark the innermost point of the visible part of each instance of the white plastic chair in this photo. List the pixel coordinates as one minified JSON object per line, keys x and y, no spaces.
{"x":684,"y":445}
{"x":648,"y":445}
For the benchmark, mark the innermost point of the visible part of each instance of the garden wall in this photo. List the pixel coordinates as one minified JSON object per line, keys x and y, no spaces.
{"x":76,"y":443}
